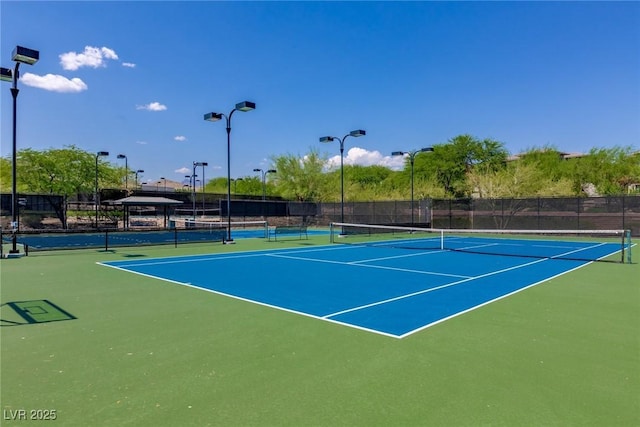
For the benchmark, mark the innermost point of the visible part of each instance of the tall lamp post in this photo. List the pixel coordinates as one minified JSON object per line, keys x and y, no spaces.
{"x":264,"y":180}
{"x":214,"y":117}
{"x":355,"y":134}
{"x":203,"y":164}
{"x":21,"y":55}
{"x":95,"y":198}
{"x":138,"y":172}
{"x":126,"y":171}
{"x":412,"y":157}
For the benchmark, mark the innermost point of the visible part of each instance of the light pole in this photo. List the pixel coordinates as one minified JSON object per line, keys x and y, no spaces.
{"x":264,"y":180}
{"x":165,"y":183}
{"x":412,"y":156}
{"x":355,"y":134}
{"x":214,"y":117}
{"x":21,"y":55}
{"x":203,"y":164}
{"x":95,"y":198}
{"x":126,"y":171}
{"x":138,"y":172}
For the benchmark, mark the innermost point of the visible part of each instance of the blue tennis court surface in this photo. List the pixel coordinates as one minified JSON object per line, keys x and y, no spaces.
{"x":387,"y":290}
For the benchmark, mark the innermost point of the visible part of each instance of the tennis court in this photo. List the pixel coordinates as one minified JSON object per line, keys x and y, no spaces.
{"x":564,"y":352}
{"x":389,"y":286}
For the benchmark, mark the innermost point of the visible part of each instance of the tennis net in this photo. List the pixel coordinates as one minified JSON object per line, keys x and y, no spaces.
{"x":583,"y":245}
{"x":199,"y":227}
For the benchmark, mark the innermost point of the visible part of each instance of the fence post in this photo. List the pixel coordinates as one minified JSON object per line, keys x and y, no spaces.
{"x":623,"y":212}
{"x":578,"y":212}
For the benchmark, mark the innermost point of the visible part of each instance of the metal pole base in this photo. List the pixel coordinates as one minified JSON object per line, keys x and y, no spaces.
{"x":229,"y":242}
{"x":16,"y":254}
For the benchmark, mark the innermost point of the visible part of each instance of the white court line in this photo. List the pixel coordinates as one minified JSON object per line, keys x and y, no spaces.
{"x":380,"y":267}
{"x":489,"y":302}
{"x":492,"y":273}
{"x":172,"y":260}
{"x":277,"y":307}
{"x":424,"y":291}
{"x":214,"y":257}
{"x":394,"y":257}
{"x":269,"y":252}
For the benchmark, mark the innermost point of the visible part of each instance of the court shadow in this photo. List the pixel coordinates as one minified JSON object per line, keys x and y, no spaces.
{"x":18,"y":313}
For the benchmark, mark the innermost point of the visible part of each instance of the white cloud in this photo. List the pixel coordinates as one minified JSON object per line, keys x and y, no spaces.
{"x":93,"y":57}
{"x":152,"y":106}
{"x":141,"y":142}
{"x":129,"y":64}
{"x":180,"y":138}
{"x":183,"y":171}
{"x":361,"y":157}
{"x":54,"y":83}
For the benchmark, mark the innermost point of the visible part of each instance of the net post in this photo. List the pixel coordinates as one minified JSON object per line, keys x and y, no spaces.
{"x":106,"y":240}
{"x":331,"y":232}
{"x":442,"y":240}
{"x":627,"y":238}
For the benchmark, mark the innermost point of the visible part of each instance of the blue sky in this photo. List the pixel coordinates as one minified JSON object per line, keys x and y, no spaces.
{"x":136,"y":78}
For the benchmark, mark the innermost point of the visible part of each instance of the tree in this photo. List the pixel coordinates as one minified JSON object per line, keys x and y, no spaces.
{"x":62,"y":171}
{"x":611,"y":170}
{"x":363,"y":183}
{"x":301,"y":178}
{"x":518,"y":180}
{"x":5,"y":174}
{"x":450,"y":163}
{"x":506,"y":190}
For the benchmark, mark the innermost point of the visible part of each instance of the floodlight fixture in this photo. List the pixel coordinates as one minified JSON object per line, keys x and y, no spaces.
{"x":264,"y":180}
{"x":6,"y":75}
{"x":354,"y":133}
{"x":21,"y":55}
{"x":96,"y":194}
{"x":196,"y":164}
{"x":412,"y":156}
{"x":126,"y":170}
{"x":212,"y":117}
{"x":25,"y":55}
{"x":243,"y":106}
